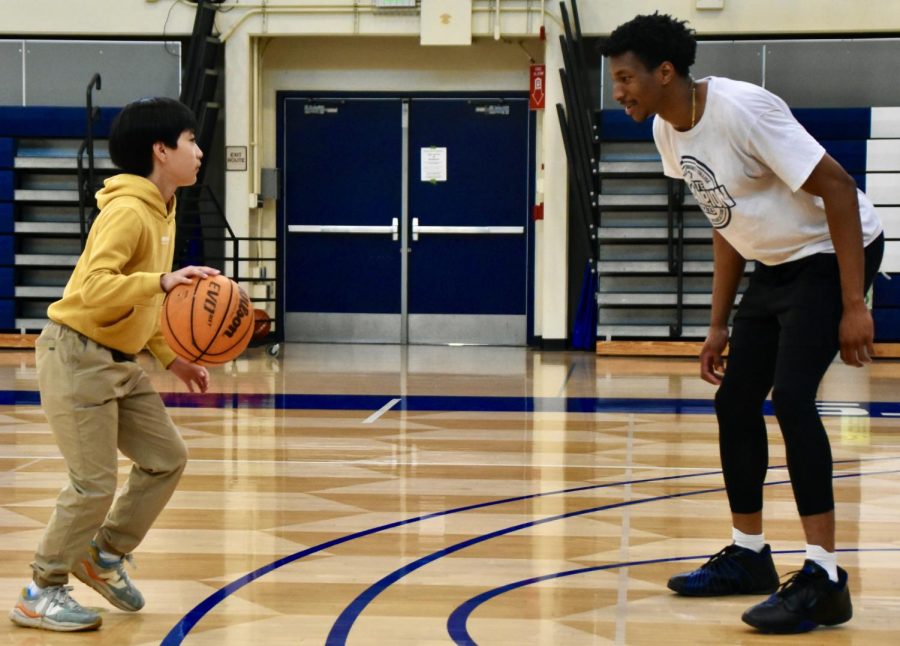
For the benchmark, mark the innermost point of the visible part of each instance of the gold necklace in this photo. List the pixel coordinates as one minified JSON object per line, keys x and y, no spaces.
{"x":693,"y":103}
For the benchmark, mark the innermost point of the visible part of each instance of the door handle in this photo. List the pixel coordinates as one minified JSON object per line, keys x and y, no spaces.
{"x":463,"y":230}
{"x":392,"y":229}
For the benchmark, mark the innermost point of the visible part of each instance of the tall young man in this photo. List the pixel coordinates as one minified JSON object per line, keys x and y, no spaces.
{"x":772,"y":195}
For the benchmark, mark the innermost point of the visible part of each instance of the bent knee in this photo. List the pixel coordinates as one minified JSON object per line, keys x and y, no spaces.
{"x":788,"y":402}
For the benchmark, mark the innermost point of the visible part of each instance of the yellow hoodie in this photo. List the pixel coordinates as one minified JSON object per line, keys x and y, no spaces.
{"x":114,"y":295}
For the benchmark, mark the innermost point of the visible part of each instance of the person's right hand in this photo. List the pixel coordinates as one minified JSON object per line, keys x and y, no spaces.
{"x":191,"y":374}
{"x":712,"y":365}
{"x":185,"y":276}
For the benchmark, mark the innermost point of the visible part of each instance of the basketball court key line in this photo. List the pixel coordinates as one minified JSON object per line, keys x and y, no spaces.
{"x":381,"y":411}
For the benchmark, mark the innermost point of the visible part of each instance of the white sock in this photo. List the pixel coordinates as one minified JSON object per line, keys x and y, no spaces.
{"x":34,"y":589}
{"x":109,"y":557}
{"x":827,"y":560}
{"x":755,"y":542}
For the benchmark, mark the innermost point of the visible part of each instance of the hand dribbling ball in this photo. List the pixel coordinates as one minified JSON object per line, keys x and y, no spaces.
{"x":209,"y":322}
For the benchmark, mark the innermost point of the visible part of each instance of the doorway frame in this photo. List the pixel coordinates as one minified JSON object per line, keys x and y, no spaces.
{"x":281,"y":98}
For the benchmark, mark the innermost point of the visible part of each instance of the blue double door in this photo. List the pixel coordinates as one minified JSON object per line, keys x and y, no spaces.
{"x":406,"y":220}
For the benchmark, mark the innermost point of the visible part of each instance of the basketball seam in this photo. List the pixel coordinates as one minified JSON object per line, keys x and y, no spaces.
{"x":238,"y":342}
{"x":181,"y":344}
{"x":213,"y":337}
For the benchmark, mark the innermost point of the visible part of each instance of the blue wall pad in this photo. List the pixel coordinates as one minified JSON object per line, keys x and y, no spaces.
{"x":886,"y":292}
{"x":7,"y":314}
{"x":7,"y":250}
{"x":615,"y":125}
{"x":7,"y":283}
{"x":887,"y":323}
{"x":851,"y":154}
{"x":836,"y":123}
{"x":40,"y":121}
{"x":7,"y":186}
{"x":7,"y":152}
{"x":7,"y":219}
{"x":828,"y":125}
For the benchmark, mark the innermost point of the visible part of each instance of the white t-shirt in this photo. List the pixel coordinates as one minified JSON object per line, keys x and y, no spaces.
{"x":744,"y":162}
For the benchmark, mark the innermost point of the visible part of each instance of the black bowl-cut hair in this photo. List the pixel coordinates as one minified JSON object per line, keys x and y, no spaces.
{"x":654,"y":39}
{"x":143,"y":123}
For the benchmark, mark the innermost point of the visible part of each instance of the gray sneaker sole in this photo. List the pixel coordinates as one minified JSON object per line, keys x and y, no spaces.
{"x":43,"y":623}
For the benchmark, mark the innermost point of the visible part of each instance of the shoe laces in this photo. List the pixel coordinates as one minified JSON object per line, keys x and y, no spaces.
{"x":117,"y":568}
{"x":721,"y":554}
{"x":59,"y":595}
{"x":791,"y":585}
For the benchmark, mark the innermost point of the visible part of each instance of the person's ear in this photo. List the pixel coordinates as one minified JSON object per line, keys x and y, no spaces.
{"x":665,"y":72}
{"x":159,"y":151}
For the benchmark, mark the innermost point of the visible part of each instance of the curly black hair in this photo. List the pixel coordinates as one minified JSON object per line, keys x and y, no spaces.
{"x":654,"y":39}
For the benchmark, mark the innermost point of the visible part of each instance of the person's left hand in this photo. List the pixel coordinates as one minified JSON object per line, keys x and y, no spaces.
{"x":191,"y":374}
{"x":856,"y":335}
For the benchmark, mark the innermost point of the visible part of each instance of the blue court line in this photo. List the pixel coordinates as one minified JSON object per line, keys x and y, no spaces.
{"x":181,"y":629}
{"x":341,"y":627}
{"x":457,"y":623}
{"x":296,"y":401}
{"x":184,"y":626}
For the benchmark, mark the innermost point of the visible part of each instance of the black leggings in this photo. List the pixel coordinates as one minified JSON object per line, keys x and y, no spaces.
{"x":785,"y":335}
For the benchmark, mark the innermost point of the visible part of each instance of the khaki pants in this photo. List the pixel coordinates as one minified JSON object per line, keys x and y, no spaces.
{"x":97,"y":405}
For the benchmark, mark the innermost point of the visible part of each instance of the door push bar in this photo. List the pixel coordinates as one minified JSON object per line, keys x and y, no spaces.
{"x":393,"y":229}
{"x":417,"y":229}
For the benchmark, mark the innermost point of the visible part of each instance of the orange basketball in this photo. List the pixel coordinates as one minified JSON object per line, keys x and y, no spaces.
{"x":209,"y":322}
{"x":262,"y":323}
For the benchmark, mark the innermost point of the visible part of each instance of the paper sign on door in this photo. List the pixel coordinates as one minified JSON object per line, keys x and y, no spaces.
{"x":434,"y":164}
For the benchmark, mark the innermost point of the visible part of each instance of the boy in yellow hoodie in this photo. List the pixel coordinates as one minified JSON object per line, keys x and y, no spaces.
{"x":97,"y":398}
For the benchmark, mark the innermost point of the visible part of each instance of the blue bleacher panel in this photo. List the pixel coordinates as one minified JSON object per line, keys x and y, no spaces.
{"x":7,"y":152}
{"x":7,"y":250}
{"x":615,"y":125}
{"x":836,"y":123}
{"x":886,"y":292}
{"x":829,"y":125}
{"x":39,"y":121}
{"x":851,"y":154}
{"x":7,"y":185}
{"x":7,"y":314}
{"x":887,"y":324}
{"x":21,"y":123}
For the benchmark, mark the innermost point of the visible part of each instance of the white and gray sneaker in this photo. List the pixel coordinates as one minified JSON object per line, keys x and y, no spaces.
{"x":53,"y":609}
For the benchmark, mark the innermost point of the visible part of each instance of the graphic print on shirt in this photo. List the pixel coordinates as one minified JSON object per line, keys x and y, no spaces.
{"x":713,"y":198}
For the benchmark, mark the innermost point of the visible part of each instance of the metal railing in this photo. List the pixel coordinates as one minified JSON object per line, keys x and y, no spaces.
{"x":675,"y":244}
{"x":86,"y":179}
{"x":212,"y":227}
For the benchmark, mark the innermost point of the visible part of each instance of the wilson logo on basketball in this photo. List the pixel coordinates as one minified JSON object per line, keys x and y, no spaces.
{"x":242,"y":312}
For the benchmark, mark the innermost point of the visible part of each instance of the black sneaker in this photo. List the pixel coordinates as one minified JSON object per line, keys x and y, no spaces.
{"x":806,"y":600}
{"x":733,"y":570}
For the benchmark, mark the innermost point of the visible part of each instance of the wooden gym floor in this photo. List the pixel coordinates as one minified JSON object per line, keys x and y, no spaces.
{"x":438,"y":495}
